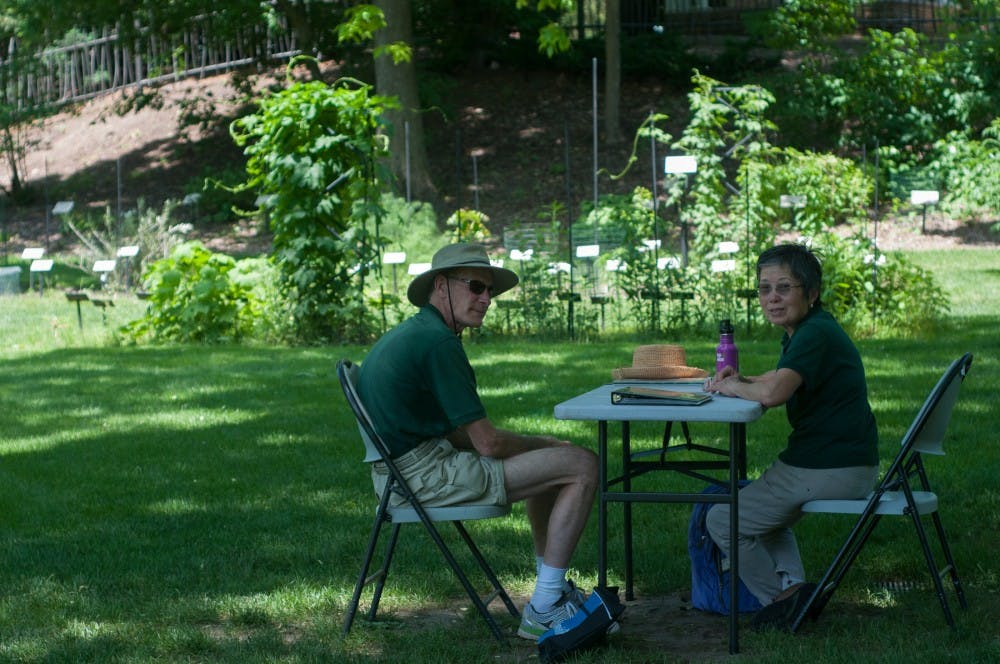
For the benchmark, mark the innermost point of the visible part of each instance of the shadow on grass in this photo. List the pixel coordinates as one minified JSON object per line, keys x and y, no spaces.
{"x":197,"y":501}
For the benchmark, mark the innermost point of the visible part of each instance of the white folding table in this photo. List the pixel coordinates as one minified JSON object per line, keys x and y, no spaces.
{"x":596,"y":405}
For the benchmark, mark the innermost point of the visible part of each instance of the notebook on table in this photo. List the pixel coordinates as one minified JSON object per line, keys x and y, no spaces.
{"x":652,"y":396}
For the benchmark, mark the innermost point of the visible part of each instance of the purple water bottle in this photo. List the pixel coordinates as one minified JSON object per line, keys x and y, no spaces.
{"x":726,"y":354}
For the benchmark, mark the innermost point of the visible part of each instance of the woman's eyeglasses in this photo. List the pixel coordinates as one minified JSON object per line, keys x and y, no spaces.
{"x":475,"y":285}
{"x":765,"y":290}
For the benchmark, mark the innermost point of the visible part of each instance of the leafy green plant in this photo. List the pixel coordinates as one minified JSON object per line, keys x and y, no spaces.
{"x":215,"y":197}
{"x":728,"y":126}
{"x":537,"y":310}
{"x":538,"y":254}
{"x":468,"y":225}
{"x":835,"y":190}
{"x":969,"y":172}
{"x":867,"y":289}
{"x":199,"y":296}
{"x":906,"y":92}
{"x":637,"y":275}
{"x":313,"y":151}
{"x":809,"y":24}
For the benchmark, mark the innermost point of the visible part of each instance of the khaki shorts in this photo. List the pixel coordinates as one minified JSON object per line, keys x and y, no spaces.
{"x":440,"y":475}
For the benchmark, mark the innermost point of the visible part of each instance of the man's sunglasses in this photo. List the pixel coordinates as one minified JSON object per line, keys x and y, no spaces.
{"x":475,"y":285}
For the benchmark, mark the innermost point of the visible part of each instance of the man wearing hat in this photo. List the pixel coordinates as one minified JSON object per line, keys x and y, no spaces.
{"x":420,"y":391}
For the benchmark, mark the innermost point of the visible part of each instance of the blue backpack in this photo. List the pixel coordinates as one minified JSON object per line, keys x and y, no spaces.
{"x":710,"y":577}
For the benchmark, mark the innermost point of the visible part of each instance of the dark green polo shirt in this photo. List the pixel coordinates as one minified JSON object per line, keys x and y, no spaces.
{"x":417,"y":383}
{"x":832,"y":421}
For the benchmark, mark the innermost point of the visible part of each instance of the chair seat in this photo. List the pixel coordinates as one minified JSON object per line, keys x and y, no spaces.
{"x":892,"y":502}
{"x":405,"y":514}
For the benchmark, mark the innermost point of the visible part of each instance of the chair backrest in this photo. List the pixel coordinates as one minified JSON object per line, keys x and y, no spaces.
{"x":375,"y":449}
{"x":926,"y":433}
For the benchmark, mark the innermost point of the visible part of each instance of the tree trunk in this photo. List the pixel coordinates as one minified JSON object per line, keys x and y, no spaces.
{"x":11,"y":150}
{"x":400,"y":81}
{"x":613,"y":73}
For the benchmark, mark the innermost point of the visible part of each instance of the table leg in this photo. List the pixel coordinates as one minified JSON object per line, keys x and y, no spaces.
{"x":627,"y":509}
{"x":602,"y":512}
{"x":741,"y":443}
{"x":737,"y":442}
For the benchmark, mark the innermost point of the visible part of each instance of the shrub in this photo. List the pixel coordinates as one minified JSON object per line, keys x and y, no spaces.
{"x":835,"y":190}
{"x":312,"y":150}
{"x":969,"y":172}
{"x":199,"y":296}
{"x":866,"y":289}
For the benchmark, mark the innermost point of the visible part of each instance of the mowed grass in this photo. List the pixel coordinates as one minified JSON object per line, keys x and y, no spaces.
{"x":208,"y":504}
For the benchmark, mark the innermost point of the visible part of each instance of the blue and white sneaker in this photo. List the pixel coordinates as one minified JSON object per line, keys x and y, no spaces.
{"x":534,"y":623}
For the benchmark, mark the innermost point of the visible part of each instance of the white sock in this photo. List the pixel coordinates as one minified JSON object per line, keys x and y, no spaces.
{"x":548,"y":587}
{"x":539,"y":561}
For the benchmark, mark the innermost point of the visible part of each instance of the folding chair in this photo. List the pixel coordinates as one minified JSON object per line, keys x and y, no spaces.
{"x":895,"y":496}
{"x":414,"y":512}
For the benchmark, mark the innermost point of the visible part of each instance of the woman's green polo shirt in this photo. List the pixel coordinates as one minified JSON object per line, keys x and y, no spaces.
{"x":832,"y":421}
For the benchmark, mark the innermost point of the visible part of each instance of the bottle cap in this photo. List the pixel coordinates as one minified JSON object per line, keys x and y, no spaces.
{"x":725,"y":327}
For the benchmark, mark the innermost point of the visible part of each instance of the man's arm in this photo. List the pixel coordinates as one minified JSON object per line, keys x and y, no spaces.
{"x":490,"y":441}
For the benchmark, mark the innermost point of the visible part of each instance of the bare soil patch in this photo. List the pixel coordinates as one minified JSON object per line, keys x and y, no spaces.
{"x":662,"y":628}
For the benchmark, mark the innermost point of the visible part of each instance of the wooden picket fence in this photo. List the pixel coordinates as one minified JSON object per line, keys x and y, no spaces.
{"x":103,"y":64}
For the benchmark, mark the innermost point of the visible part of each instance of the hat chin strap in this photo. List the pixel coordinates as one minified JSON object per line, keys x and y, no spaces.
{"x":451,"y":309}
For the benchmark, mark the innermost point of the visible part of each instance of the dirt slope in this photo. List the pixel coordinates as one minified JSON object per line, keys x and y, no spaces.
{"x":498,"y":136}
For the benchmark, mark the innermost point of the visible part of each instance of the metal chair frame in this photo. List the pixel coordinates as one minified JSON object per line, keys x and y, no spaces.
{"x":415,"y":512}
{"x":895,"y":496}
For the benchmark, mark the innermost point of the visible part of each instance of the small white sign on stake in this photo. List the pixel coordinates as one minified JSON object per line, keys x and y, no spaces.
{"x":728,"y":247}
{"x":62,"y":207}
{"x":588,"y":250}
{"x":41,"y":265}
{"x":791,"y":201}
{"x":680,"y":165}
{"x":923,"y":196}
{"x":561,"y":266}
{"x":32,"y":253}
{"x":668,"y":262}
{"x":417,"y":268}
{"x":394,"y":257}
{"x":723,"y":266}
{"x":128,"y":252}
{"x":104,"y":266}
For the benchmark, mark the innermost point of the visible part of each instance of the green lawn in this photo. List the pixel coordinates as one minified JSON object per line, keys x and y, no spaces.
{"x":207,"y":504}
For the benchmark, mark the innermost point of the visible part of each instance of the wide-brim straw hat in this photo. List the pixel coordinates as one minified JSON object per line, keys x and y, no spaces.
{"x":455,"y":256}
{"x":658,"y":362}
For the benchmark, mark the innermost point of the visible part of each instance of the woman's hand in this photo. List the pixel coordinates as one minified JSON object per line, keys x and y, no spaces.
{"x":713,"y":383}
{"x":729,"y":386}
